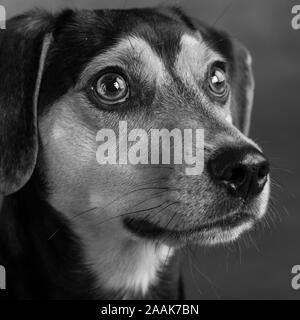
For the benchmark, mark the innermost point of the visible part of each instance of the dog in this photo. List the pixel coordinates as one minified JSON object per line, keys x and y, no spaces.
{"x":73,"y":229}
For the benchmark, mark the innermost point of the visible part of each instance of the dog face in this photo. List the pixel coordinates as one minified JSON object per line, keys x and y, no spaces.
{"x":153,"y":68}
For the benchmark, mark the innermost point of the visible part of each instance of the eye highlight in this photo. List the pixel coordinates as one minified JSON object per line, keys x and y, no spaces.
{"x":218,"y":84}
{"x":111,"y":88}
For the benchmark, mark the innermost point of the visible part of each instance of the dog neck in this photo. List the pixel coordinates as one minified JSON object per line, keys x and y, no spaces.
{"x":56,"y":263}
{"x":130,"y":267}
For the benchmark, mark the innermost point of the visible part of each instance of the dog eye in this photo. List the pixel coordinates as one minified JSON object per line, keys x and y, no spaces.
{"x":217,"y":81}
{"x":111,"y":88}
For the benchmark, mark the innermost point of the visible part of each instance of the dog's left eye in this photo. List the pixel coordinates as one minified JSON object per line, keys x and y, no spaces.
{"x":111,"y":88}
{"x":217,"y":81}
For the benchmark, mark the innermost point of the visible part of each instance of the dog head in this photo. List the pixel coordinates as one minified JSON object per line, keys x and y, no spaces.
{"x":65,"y":77}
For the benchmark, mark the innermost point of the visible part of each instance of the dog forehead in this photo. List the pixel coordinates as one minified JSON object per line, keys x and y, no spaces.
{"x":191,"y":57}
{"x":84,"y":37}
{"x":127,"y":51}
{"x":193,"y":47}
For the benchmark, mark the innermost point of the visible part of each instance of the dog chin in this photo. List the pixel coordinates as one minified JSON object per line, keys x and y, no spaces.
{"x":213,"y":236}
{"x":213,"y":233}
{"x":219,"y":236}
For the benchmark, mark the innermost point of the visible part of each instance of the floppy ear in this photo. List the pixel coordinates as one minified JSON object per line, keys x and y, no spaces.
{"x":23,"y":49}
{"x":242,"y":87}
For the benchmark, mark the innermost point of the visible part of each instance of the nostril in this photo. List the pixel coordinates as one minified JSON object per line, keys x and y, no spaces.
{"x":238,"y":174}
{"x":263,"y":171}
{"x":235,"y":179}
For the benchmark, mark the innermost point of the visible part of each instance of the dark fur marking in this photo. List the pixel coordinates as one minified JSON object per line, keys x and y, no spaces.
{"x":38,"y":268}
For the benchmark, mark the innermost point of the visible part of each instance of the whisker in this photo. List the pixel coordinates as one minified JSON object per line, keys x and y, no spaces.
{"x":195,"y":282}
{"x":283,"y":169}
{"x":94,"y":208}
{"x":211,"y":283}
{"x":130,"y":213}
{"x":222,"y":14}
{"x":79,"y":214}
{"x":149,"y":199}
{"x":137,"y":190}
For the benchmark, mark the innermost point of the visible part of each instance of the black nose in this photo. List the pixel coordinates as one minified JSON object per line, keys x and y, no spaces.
{"x":242,"y":171}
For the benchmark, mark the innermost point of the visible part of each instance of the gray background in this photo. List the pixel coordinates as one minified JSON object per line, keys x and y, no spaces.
{"x":258,"y":266}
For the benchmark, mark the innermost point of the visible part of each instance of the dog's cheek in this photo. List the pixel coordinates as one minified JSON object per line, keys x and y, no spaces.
{"x":76,"y":180}
{"x":68,"y":155}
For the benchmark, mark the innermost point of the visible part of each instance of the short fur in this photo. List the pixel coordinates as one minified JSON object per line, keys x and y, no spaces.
{"x":62,"y":231}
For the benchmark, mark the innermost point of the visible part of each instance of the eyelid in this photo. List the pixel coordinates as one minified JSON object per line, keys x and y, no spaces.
{"x":221,"y":65}
{"x":109,"y":69}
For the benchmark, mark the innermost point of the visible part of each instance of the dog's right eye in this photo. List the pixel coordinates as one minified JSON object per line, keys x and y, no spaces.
{"x":111,"y":88}
{"x":217,"y":81}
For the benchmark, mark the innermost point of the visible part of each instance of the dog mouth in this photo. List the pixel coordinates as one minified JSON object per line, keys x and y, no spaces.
{"x":146,"y":229}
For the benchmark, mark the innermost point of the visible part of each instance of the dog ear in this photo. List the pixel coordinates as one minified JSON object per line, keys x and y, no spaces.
{"x":23,"y":49}
{"x":242,"y":87}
